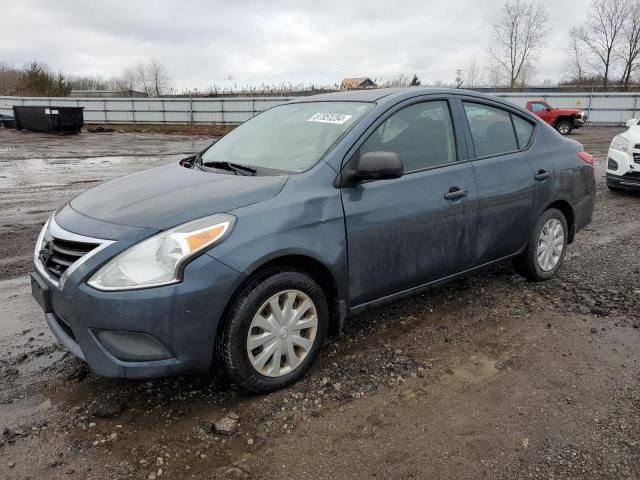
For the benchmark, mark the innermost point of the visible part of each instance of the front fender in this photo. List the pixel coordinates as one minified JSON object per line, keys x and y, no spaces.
{"x":305,"y":219}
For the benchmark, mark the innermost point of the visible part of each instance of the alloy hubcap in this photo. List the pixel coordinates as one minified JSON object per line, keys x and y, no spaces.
{"x":282,"y":333}
{"x":550,"y":245}
{"x":564,"y":128}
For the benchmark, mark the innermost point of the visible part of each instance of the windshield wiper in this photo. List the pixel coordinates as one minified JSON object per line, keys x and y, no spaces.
{"x":232,"y":167}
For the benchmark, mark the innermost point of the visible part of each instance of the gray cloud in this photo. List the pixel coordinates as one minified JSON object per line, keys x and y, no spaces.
{"x":206,"y":42}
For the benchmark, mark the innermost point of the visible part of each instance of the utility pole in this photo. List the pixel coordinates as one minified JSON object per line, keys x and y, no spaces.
{"x":459,"y":80}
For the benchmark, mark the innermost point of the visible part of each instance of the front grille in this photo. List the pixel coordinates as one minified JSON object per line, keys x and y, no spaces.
{"x":632,"y":175}
{"x":58,"y":255}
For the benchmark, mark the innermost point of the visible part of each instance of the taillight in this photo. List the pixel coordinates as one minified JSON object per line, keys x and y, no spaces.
{"x":587,"y":158}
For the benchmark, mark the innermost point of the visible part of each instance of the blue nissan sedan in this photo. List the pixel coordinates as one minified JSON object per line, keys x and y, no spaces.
{"x":249,"y":253}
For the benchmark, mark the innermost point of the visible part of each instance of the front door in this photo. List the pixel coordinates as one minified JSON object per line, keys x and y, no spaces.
{"x":409,"y":231}
{"x":542,"y":110}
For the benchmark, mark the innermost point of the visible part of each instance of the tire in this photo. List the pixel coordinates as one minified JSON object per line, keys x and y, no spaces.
{"x":564,"y":127}
{"x":528,"y":264}
{"x":252,"y":313}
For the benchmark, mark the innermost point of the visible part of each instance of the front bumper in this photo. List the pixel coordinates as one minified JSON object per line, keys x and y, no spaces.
{"x":579,"y":122}
{"x":178,"y":320}
{"x":622,"y":169}
{"x":630,"y":181}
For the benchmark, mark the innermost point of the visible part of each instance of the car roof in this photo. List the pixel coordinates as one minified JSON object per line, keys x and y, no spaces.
{"x":365,"y":95}
{"x":385,"y":94}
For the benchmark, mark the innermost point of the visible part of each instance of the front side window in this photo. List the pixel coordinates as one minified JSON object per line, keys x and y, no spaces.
{"x":538,"y":107}
{"x":491,"y":129}
{"x":421,"y":135}
{"x":290,"y":137}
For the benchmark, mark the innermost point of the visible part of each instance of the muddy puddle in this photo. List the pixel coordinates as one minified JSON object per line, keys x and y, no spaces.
{"x":56,"y":172}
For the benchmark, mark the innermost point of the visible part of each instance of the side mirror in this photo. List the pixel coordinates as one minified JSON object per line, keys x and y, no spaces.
{"x":548,"y":109}
{"x":632,"y":122}
{"x":370,"y":166}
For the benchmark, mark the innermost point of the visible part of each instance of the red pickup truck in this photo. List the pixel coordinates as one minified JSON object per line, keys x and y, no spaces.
{"x":564,"y":120}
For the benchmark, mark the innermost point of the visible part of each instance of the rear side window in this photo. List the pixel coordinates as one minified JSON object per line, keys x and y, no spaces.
{"x":421,"y":135}
{"x":524,"y":129}
{"x":491,"y":129}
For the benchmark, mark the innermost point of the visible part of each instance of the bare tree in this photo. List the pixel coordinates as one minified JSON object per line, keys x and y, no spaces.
{"x":576,"y":57}
{"x":79,"y":82}
{"x":158,"y":77}
{"x":474,"y":73}
{"x":519,"y":35}
{"x":602,"y":34}
{"x":401,"y":80}
{"x":9,"y":79}
{"x":143,"y":77}
{"x":127,"y":82}
{"x":629,"y":50}
{"x":494,"y":77}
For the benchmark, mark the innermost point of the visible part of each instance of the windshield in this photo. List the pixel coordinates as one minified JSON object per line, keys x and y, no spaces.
{"x":290,"y":137}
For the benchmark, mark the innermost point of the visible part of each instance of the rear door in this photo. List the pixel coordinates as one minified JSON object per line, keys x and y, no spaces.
{"x":406,"y":232}
{"x":504,"y":177}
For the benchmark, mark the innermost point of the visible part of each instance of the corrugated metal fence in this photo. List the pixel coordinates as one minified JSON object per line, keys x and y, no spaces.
{"x":155,"y":110}
{"x":602,"y":108}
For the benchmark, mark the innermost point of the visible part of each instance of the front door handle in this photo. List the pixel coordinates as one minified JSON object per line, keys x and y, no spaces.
{"x":455,"y":193}
{"x":542,"y":175}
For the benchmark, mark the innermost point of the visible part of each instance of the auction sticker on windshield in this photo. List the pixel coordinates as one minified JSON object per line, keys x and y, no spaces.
{"x":337,"y":118}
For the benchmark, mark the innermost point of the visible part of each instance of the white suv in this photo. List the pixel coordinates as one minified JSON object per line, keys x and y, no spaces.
{"x":623,"y":161}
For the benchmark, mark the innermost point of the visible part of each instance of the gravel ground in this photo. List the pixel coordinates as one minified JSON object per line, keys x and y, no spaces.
{"x":490,"y":376}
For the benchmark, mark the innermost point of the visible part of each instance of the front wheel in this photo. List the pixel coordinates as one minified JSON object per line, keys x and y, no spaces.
{"x":564,"y":127}
{"x":275,"y":330}
{"x":547,"y":247}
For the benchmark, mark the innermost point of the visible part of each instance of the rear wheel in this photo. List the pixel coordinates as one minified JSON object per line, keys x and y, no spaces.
{"x":275,"y":330}
{"x":547,"y":247}
{"x":564,"y":127}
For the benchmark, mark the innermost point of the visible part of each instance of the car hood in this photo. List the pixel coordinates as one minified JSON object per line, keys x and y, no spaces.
{"x":166,"y":196}
{"x":633,"y":133}
{"x":566,"y":111}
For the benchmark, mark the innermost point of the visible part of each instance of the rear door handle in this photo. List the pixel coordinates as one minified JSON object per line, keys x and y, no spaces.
{"x":542,"y":175}
{"x":455,"y":193}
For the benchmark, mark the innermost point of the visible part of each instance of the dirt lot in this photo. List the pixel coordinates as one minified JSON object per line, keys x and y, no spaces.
{"x":488,"y":377}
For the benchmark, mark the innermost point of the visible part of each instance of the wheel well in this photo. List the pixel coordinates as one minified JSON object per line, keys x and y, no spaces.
{"x":567,"y":211}
{"x":308,"y":265}
{"x":564,"y":118}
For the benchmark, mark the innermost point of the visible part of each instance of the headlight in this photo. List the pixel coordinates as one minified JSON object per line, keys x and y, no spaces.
{"x":620,"y":143}
{"x":157,"y":260}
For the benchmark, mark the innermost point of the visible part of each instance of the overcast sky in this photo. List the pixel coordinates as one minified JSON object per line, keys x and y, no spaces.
{"x":203,"y":43}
